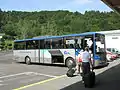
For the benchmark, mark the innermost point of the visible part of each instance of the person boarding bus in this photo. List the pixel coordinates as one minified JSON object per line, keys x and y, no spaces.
{"x":86,"y":61}
{"x":88,"y":76}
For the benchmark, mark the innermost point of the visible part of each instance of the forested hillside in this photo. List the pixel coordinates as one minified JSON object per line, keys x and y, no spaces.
{"x":21,"y":25}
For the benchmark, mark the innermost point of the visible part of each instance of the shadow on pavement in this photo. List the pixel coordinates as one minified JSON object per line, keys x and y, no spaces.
{"x":108,"y":80}
{"x":57,"y":65}
{"x":102,"y":66}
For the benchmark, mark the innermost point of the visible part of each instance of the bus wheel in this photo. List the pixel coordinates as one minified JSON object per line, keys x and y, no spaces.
{"x":70,"y":63}
{"x":27,"y":60}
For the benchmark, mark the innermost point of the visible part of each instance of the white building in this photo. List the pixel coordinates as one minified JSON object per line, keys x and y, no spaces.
{"x":112,"y":38}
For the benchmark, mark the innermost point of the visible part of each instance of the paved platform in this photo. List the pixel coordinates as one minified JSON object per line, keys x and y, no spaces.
{"x":61,"y":82}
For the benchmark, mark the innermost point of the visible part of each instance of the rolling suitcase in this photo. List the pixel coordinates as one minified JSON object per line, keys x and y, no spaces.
{"x":70,"y":72}
{"x":89,"y":79}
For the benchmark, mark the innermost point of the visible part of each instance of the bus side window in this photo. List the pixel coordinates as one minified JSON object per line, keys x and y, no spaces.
{"x":61,"y":46}
{"x":48,"y":44}
{"x":36,"y":44}
{"x":30,"y":45}
{"x":76,"y":46}
{"x":21,"y":46}
{"x":71,"y":46}
{"x":58,"y":46}
{"x":64,"y":46}
{"x":41,"y":44}
{"x":67,"y":45}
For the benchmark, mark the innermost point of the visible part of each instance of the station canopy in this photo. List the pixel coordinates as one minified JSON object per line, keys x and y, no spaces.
{"x":113,"y":4}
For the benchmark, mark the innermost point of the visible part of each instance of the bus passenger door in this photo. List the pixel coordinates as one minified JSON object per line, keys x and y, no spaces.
{"x":41,"y":60}
{"x":41,"y":51}
{"x":36,"y":55}
{"x":36,"y":51}
{"x":45,"y":56}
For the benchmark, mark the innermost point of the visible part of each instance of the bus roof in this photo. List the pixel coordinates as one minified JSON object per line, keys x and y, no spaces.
{"x":83,"y":34}
{"x":49,"y":37}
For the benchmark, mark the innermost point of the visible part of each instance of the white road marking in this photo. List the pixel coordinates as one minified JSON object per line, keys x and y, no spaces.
{"x":35,"y":73}
{"x":26,"y":73}
{"x":12,"y":75}
{"x":2,"y":84}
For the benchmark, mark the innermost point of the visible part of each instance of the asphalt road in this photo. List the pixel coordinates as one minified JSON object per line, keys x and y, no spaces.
{"x":14,"y":75}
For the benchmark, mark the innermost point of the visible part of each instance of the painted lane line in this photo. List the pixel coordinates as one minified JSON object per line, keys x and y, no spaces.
{"x":22,"y":77}
{"x":35,"y":73}
{"x":46,"y":75}
{"x":41,"y":82}
{"x":2,"y":84}
{"x":16,"y":78}
{"x":12,"y":75}
{"x":26,"y":73}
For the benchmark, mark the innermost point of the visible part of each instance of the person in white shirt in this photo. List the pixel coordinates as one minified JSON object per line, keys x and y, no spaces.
{"x":86,"y":61}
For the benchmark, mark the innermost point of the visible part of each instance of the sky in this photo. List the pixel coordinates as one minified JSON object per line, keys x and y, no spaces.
{"x":53,"y":5}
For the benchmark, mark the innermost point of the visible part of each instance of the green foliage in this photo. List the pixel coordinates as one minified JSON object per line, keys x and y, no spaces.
{"x":6,"y":45}
{"x":21,"y":25}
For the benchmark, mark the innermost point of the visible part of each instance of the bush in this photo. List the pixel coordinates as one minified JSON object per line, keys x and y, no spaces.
{"x":6,"y":45}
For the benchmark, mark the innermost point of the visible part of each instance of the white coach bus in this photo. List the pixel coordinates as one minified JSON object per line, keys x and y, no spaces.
{"x":60,"y":49}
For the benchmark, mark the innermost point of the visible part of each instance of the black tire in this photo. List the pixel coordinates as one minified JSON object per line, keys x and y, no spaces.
{"x":70,"y":63}
{"x":27,"y":60}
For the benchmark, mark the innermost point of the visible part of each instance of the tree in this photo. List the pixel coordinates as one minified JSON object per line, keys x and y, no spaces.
{"x":0,"y":20}
{"x":31,"y":24}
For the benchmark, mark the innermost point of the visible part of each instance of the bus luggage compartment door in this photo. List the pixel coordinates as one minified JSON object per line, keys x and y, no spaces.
{"x":57,"y":56}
